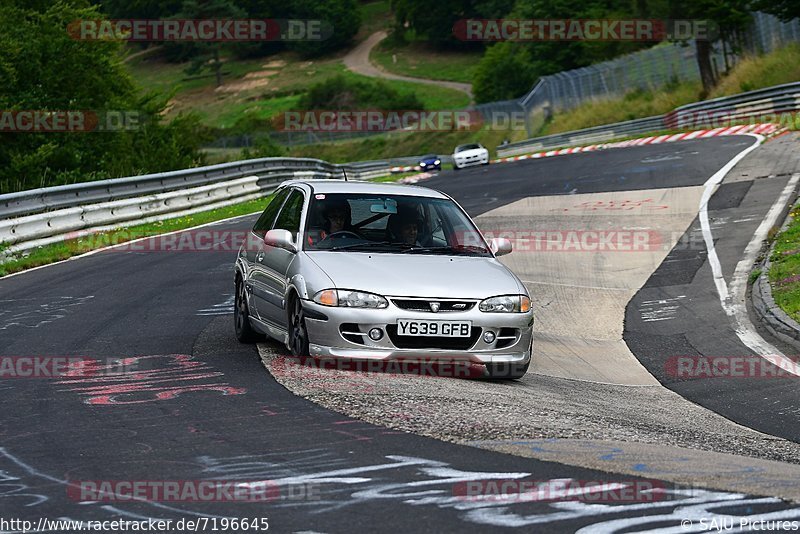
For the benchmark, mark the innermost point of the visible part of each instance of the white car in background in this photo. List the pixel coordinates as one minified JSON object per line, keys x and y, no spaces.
{"x":470,"y":154}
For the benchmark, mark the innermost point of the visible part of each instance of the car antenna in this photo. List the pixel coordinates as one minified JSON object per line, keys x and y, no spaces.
{"x":345,"y":174}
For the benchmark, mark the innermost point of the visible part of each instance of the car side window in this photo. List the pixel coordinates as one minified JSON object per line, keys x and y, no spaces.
{"x":264,"y":222}
{"x":289,"y":218}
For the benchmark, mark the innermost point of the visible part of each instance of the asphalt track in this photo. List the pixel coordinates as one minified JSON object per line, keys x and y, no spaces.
{"x":194,"y":404}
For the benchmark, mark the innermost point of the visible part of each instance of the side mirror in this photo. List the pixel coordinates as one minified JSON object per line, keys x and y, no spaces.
{"x":500,"y":246}
{"x":280,"y":239}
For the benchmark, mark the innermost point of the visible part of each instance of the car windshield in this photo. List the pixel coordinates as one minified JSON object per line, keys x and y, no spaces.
{"x":429,"y":156}
{"x":472,"y":146}
{"x":391,"y":224}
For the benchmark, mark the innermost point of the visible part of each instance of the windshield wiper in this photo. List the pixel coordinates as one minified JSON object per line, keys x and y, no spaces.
{"x":451,"y":249}
{"x":368,"y":244}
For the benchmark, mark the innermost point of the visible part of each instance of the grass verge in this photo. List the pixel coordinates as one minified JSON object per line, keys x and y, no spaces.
{"x":74,"y":247}
{"x":780,"y":66}
{"x":784,"y":270}
{"x":418,"y":60}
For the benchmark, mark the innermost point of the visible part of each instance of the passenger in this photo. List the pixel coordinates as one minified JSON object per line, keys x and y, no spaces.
{"x":404,"y":226}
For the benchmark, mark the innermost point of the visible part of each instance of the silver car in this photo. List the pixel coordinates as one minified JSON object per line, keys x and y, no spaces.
{"x":371,"y":271}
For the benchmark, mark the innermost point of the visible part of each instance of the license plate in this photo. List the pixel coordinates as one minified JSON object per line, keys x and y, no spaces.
{"x":407,"y":327}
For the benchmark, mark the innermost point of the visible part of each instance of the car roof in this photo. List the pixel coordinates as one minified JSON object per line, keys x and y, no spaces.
{"x":373,"y":188}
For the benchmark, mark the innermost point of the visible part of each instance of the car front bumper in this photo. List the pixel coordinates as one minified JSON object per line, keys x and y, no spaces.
{"x":327,"y":339}
{"x":472,"y":160}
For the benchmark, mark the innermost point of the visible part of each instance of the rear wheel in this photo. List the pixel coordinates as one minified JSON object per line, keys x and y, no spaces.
{"x":241,"y":316}
{"x":298,"y":334}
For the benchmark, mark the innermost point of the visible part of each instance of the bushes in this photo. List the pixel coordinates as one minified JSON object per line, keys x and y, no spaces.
{"x":344,"y":93}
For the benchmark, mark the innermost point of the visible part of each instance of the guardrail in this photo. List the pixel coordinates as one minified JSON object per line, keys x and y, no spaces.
{"x":761,"y":103}
{"x":41,"y":216}
{"x":597,"y":134}
{"x":39,"y":200}
{"x":770,"y":100}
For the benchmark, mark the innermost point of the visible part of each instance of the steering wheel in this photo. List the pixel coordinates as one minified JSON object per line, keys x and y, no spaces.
{"x":342,"y":233}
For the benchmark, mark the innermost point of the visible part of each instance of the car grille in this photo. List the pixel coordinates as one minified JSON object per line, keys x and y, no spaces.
{"x":424,"y":305}
{"x":432,"y":342}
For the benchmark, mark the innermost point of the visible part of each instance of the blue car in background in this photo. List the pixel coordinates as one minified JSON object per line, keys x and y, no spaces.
{"x":431,"y":162}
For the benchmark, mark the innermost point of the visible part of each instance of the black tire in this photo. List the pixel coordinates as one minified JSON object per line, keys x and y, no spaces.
{"x":298,"y":333}
{"x":241,"y":317}
{"x":507,"y":371}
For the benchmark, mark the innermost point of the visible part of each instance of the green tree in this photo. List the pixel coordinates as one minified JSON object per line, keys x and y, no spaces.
{"x":205,"y":56}
{"x":341,"y":17}
{"x":140,"y":9}
{"x":43,"y":69}
{"x":434,"y":21}
{"x":785,"y":10}
{"x":504,"y":72}
{"x":731,"y":17}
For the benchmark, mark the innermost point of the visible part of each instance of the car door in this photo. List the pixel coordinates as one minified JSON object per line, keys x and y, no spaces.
{"x":274,"y":263}
{"x":254,"y":247}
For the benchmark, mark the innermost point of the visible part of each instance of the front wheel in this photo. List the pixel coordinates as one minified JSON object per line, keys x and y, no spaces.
{"x":298,"y":334}
{"x":241,"y":317}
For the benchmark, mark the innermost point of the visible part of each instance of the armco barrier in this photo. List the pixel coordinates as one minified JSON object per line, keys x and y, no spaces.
{"x":770,"y":100}
{"x":761,"y":104}
{"x":49,"y":215}
{"x":39,"y":200}
{"x":597,"y":134}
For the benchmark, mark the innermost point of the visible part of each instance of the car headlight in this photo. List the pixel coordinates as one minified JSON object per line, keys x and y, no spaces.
{"x":437,"y":162}
{"x":347,"y":298}
{"x":506,"y":304}
{"x":422,"y":164}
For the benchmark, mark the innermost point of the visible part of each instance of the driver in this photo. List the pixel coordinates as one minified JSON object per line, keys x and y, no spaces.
{"x":336,"y":217}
